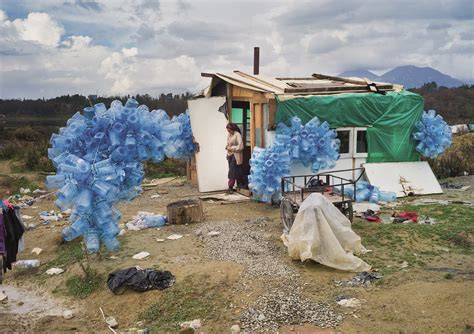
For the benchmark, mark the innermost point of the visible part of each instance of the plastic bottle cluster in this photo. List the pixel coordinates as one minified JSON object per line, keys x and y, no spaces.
{"x":314,"y":144}
{"x":367,"y":192}
{"x":98,"y":161}
{"x":267,"y":167}
{"x":433,"y":133}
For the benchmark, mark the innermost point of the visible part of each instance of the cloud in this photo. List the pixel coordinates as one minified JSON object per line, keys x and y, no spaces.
{"x":148,"y":46}
{"x":37,"y":27}
{"x":127,"y":72}
{"x":88,"y":5}
{"x":439,"y":26}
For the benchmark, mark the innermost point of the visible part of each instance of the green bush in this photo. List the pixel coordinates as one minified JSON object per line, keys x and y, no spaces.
{"x":456,"y":160}
{"x":10,"y":150}
{"x":26,"y":133}
{"x":166,"y":168}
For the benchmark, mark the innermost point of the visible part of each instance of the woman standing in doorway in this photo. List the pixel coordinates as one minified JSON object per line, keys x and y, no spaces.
{"x":234,"y":147}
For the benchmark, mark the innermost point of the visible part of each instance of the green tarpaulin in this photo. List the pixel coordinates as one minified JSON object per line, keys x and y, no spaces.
{"x":390,"y":119}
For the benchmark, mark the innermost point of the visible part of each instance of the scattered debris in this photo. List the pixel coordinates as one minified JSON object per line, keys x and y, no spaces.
{"x":39,"y":191}
{"x":160,"y":240}
{"x":68,"y":314}
{"x":213,"y":233}
{"x":111,"y":322}
{"x":54,"y":271}
{"x":198,"y":232}
{"x":155,"y":196}
{"x":351,"y":302}
{"x":25,"y":190}
{"x":26,"y":217}
{"x":105,"y":319}
{"x":404,"y":264}
{"x":141,"y":256}
{"x":194,"y":324}
{"x":138,"y":279}
{"x":363,"y":278}
{"x":144,"y":220}
{"x":235,"y":329}
{"x":406,"y":217}
{"x":31,"y":226}
{"x":174,"y":237}
{"x":3,"y":297}
{"x":371,"y":216}
{"x":122,"y":232}
{"x":27,"y":264}
{"x":360,"y":208}
{"x":36,"y":250}
{"x":48,"y":216}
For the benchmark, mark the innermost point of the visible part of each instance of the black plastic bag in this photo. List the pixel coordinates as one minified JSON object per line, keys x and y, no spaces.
{"x":140,"y":280}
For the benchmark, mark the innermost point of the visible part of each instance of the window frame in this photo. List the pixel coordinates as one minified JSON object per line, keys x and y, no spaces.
{"x":359,"y":154}
{"x":351,"y":142}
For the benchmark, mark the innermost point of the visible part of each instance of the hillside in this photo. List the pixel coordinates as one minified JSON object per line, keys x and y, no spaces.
{"x":409,"y":76}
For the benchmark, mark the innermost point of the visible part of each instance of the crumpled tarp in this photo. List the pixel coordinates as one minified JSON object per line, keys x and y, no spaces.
{"x":138,"y":279}
{"x":323,"y":234}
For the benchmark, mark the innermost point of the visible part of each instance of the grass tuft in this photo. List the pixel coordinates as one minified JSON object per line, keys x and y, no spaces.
{"x":81,"y":286}
{"x":187,"y":300}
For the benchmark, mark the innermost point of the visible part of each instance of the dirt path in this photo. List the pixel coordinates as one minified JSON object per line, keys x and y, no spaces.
{"x":229,"y":273}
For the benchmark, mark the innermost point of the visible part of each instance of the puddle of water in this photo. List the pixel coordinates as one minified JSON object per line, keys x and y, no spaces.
{"x":28,"y":302}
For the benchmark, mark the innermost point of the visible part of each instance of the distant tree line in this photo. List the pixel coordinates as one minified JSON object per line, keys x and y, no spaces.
{"x":67,"y":105}
{"x":456,"y":105}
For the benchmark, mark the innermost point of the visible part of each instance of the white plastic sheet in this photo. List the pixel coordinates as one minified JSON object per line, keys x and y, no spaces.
{"x":323,"y":234}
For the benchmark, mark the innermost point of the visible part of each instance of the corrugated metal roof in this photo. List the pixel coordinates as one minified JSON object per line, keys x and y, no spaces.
{"x":315,"y":84}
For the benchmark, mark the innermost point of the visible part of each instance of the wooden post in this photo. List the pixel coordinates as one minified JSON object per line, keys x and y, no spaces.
{"x":185,"y":212}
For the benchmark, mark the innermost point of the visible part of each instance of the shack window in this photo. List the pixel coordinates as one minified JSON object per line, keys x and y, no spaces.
{"x":344,"y":137}
{"x":361,"y":143}
{"x":237,"y":118}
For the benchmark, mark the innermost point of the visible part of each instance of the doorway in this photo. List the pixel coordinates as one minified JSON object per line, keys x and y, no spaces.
{"x":240,"y":115}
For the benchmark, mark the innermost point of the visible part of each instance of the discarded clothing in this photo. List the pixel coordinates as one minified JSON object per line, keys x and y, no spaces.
{"x":363,"y":278}
{"x":323,"y":234}
{"x":138,"y":279}
{"x":403,"y":217}
{"x":371,"y":216}
{"x":14,"y":231}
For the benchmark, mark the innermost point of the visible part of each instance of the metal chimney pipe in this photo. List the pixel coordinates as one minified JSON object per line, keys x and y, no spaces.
{"x":256,"y":60}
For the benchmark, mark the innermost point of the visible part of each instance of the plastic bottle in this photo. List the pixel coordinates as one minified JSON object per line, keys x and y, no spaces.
{"x":154,"y":221}
{"x":387,"y":196}
{"x":91,"y":239}
{"x":55,"y":181}
{"x":27,"y":264}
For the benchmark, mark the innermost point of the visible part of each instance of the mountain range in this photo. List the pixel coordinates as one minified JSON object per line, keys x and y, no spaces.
{"x":409,"y":76}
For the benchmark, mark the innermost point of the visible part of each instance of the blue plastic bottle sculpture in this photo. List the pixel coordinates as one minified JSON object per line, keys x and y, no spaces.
{"x":434,"y":135}
{"x":314,"y":144}
{"x":98,"y":159}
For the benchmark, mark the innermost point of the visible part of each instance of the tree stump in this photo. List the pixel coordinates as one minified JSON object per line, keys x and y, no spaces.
{"x":185,"y":212}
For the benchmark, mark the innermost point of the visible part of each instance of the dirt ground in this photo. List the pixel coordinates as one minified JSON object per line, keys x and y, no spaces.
{"x":408,"y":300}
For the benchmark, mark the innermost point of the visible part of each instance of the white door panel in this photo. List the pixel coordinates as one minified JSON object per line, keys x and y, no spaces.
{"x":208,"y":126}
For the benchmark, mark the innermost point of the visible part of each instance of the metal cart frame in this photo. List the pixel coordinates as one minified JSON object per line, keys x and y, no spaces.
{"x":293,"y":194}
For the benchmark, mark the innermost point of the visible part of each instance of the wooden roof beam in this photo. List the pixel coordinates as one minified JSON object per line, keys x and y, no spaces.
{"x":328,"y":77}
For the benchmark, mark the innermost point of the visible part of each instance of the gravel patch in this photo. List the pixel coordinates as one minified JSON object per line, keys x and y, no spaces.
{"x":248,"y":244}
{"x":288,"y":308}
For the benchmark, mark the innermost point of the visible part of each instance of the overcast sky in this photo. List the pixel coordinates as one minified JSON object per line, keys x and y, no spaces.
{"x":50,"y":48}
